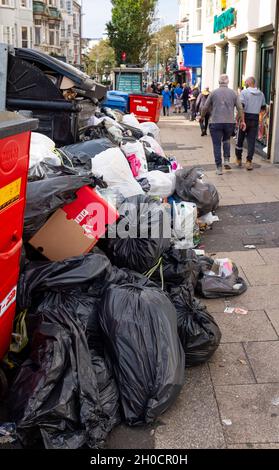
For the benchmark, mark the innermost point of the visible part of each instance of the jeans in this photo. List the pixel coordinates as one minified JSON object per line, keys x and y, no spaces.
{"x":204,"y":124}
{"x":166,"y":110}
{"x":251,"y":134}
{"x":221,"y":133}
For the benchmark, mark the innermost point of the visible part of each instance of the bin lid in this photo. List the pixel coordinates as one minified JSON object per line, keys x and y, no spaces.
{"x":12,"y":123}
{"x":77,"y":76}
{"x":147,"y":95}
{"x":122,"y":94}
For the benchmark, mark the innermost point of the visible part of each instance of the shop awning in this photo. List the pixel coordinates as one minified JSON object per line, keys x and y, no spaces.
{"x":192,"y":54}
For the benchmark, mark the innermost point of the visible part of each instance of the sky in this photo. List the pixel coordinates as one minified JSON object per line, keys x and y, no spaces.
{"x":98,"y":12}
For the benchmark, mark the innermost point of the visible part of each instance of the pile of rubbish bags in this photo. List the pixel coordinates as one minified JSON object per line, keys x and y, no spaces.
{"x":111,"y":331}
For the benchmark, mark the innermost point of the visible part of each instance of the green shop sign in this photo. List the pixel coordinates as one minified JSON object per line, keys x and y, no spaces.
{"x":225,"y":20}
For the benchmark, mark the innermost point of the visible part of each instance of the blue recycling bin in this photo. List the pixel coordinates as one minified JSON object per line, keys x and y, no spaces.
{"x":121,"y":94}
{"x":114,"y":101}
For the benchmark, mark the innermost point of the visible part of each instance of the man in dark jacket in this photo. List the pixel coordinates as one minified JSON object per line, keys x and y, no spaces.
{"x":185,"y":97}
{"x":222,"y":103}
{"x":253,"y":102}
{"x":200,"y":104}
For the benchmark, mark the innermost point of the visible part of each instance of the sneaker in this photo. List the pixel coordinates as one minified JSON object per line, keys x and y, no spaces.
{"x":219,"y":171}
{"x":238,"y":162}
{"x":227,"y":164}
{"x":249,"y":165}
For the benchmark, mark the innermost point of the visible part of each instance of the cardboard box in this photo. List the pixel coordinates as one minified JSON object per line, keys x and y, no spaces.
{"x":75,"y":229}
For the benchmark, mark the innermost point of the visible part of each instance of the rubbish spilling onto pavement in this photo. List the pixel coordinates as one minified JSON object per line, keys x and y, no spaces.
{"x":107,"y":312}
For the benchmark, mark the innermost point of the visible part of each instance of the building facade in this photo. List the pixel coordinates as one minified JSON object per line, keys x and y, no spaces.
{"x":190,"y":39}
{"x":16,"y":22}
{"x":52,"y":26}
{"x":274,"y":137}
{"x":71,"y":31}
{"x":239,"y":40}
{"x":47,"y":23}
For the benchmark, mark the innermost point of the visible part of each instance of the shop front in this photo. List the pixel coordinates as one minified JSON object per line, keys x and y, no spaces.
{"x":240,"y":42}
{"x":192,"y":57}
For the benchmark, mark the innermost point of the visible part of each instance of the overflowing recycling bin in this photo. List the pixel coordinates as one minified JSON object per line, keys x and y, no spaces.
{"x":15,"y":134}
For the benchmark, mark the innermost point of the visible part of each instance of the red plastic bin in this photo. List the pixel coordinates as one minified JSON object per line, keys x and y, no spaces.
{"x":14,"y":159}
{"x":147,"y":106}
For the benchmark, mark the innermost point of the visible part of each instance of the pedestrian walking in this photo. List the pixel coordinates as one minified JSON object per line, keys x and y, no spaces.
{"x":185,"y":97}
{"x":222,"y":103}
{"x":200,"y":104}
{"x":193,"y":100}
{"x":178,"y":92}
{"x":253,"y":102}
{"x":166,"y":101}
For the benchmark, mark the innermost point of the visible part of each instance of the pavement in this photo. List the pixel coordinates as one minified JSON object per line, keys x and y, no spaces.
{"x":233,"y":401}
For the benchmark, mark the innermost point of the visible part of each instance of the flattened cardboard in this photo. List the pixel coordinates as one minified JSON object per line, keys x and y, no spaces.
{"x":61,"y":238}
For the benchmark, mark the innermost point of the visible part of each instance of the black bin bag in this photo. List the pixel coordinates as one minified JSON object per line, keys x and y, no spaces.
{"x":189,"y":187}
{"x":81,"y":153}
{"x":140,"y":326}
{"x":199,"y":333}
{"x":65,"y":393}
{"x":215,"y":287}
{"x":179,"y":267}
{"x":142,"y":235}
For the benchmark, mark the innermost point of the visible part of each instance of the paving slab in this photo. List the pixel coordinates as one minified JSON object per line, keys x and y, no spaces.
{"x":273,"y":315}
{"x":254,"y":446}
{"x":193,"y":422}
{"x":249,"y":407}
{"x":264,"y":359}
{"x":270,"y":255}
{"x":262,"y":275}
{"x":242,"y":258}
{"x":255,"y":298}
{"x":124,"y":437}
{"x":255,"y":326}
{"x":229,"y":365}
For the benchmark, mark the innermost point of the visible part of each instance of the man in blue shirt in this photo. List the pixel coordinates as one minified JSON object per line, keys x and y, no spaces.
{"x":178,"y":92}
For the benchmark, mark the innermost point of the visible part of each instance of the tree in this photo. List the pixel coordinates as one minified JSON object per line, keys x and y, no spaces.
{"x":163,"y":47}
{"x":100,"y":56}
{"x":129,"y":30}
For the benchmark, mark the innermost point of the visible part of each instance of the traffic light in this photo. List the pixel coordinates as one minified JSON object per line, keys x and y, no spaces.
{"x":123,"y":56}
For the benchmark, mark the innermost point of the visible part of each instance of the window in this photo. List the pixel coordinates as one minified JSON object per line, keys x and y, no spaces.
{"x":199,"y":15}
{"x":62,"y":4}
{"x":37,"y":35}
{"x":69,"y":6}
{"x":63,"y":29}
{"x":6,"y":34}
{"x":69,"y":30}
{"x":51,"y":34}
{"x":25,"y":4}
{"x":7,"y":3}
{"x":24,"y":36}
{"x":57,"y":36}
{"x":75,"y":21}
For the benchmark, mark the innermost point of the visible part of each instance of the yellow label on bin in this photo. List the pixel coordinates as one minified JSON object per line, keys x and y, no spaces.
{"x":10,"y":193}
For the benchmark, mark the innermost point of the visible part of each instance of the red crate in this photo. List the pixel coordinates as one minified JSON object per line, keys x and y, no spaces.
{"x":146,"y":107}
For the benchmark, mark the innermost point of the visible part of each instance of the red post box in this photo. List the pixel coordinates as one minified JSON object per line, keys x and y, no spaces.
{"x":146,"y":106}
{"x":15,"y":134}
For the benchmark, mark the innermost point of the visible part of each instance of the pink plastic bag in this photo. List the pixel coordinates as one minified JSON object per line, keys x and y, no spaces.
{"x":135,"y":165}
